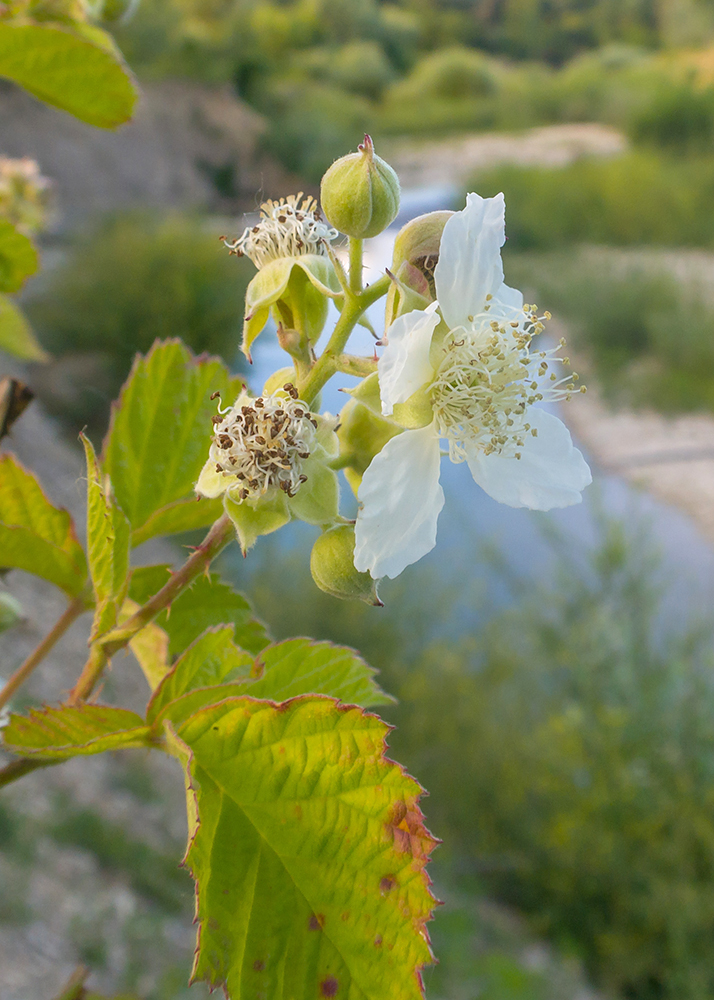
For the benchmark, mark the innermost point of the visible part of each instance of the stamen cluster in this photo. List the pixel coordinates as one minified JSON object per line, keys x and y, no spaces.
{"x":289,"y":228}
{"x":263,"y":443}
{"x":486,"y":380}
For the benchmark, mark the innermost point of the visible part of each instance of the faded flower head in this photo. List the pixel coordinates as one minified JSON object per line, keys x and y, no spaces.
{"x":290,"y":228}
{"x":24,"y":194}
{"x":259,"y":444}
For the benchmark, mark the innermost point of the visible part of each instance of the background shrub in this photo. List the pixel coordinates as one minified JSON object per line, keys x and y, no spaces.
{"x":120,"y":286}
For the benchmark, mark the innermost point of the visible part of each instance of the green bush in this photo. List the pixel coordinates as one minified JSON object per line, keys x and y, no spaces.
{"x":648,"y":336}
{"x":679,"y":118}
{"x":122,"y":285}
{"x":634,"y":199}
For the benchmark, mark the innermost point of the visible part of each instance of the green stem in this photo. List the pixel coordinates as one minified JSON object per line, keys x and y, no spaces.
{"x":74,"y":988}
{"x":221,"y":533}
{"x":73,"y":610}
{"x":327,"y":364}
{"x":356,"y":265}
{"x":19,"y":768}
{"x":353,"y":364}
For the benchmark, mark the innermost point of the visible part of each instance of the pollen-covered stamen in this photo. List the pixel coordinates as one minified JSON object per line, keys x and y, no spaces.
{"x":487,"y":379}
{"x":289,"y":228}
{"x":263,"y":443}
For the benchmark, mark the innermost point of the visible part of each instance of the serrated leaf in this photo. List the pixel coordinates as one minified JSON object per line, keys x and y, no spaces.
{"x":303,"y":666}
{"x":185,"y":515}
{"x":76,"y":74}
{"x":208,"y":602}
{"x":16,"y":336}
{"x":18,"y":257}
{"x":56,"y":733}
{"x":108,"y":535}
{"x":212,"y":659}
{"x":160,"y":435}
{"x":35,"y":535}
{"x":308,"y":848}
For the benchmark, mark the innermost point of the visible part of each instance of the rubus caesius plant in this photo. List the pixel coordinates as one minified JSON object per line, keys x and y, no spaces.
{"x":305,"y":841}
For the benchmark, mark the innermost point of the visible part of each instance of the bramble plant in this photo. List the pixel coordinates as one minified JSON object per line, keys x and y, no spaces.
{"x":306,"y":843}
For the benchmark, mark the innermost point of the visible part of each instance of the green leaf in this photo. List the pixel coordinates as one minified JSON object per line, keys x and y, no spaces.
{"x":18,"y":257}
{"x":188,"y":514}
{"x":160,"y":435}
{"x":16,"y":336}
{"x":34,"y":535}
{"x":206,"y":603}
{"x":73,"y":73}
{"x":303,"y":666}
{"x":212,"y":659}
{"x":57,"y":733}
{"x":108,"y":535}
{"x":308,"y":848}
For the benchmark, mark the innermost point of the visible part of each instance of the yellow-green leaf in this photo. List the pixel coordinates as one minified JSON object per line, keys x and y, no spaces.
{"x":303,"y":666}
{"x":57,"y":733}
{"x":35,"y":535}
{"x":73,"y":73}
{"x":160,"y":435}
{"x":18,"y":257}
{"x":308,"y":849}
{"x":16,"y":336}
{"x":212,"y":659}
{"x":150,"y":646}
{"x":108,"y":536}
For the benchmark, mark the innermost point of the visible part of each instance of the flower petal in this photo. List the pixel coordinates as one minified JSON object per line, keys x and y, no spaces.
{"x":400,"y":500}
{"x":507,"y":298}
{"x":469,"y":266}
{"x":404,"y":366}
{"x":550,"y":473}
{"x":212,"y":484}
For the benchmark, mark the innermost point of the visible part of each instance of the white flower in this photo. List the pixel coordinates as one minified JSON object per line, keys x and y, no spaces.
{"x":481,"y":384}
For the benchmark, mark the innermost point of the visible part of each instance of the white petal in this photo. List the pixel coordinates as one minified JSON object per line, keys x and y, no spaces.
{"x":550,"y":473}
{"x":400,"y":500}
{"x":469,"y":266}
{"x":404,"y":366}
{"x":507,"y":298}
{"x":210,"y":483}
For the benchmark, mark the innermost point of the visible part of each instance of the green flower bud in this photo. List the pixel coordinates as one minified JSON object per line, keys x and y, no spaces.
{"x":333,"y":569}
{"x":10,"y":611}
{"x":416,"y":252}
{"x":360,"y":193}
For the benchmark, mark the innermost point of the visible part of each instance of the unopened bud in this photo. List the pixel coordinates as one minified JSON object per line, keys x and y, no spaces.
{"x":360,"y":193}
{"x":333,"y":568}
{"x":10,"y":611}
{"x":362,"y":434}
{"x":416,"y":252}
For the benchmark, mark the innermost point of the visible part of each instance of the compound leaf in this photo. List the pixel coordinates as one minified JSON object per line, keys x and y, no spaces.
{"x":212,"y":659}
{"x":160,"y":435}
{"x":57,"y":733}
{"x":308,"y":849}
{"x":18,"y":257}
{"x":76,"y":74}
{"x":208,"y":602}
{"x":303,"y":666}
{"x":35,"y":535}
{"x":16,"y":336}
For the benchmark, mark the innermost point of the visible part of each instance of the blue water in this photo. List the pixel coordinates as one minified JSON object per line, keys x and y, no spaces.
{"x":471,"y":520}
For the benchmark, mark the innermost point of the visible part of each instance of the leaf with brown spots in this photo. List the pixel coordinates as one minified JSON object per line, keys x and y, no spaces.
{"x":297,"y":823}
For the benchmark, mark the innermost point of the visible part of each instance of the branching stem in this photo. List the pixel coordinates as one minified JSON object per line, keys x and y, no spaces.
{"x":73,"y":610}
{"x":221,"y":533}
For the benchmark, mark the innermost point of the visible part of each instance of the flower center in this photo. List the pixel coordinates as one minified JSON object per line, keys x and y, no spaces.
{"x":289,"y":228}
{"x":264,"y":443}
{"x":487,"y":379}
